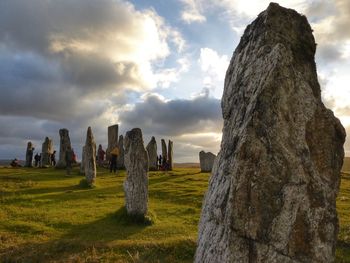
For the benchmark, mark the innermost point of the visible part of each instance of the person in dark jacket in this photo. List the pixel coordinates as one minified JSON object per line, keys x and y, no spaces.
{"x":37,"y":158}
{"x":113,"y":163}
{"x":53,"y":158}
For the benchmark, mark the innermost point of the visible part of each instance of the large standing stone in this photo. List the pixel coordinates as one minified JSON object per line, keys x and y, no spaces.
{"x":206,"y":161}
{"x":170,"y":155}
{"x":120,"y":158}
{"x":64,"y":144}
{"x":112,"y":140}
{"x":152,"y":154}
{"x":29,"y":155}
{"x":136,"y":183}
{"x":273,"y":189}
{"x":46,"y":151}
{"x":90,"y":158}
{"x":164,"y":151}
{"x":82,"y":164}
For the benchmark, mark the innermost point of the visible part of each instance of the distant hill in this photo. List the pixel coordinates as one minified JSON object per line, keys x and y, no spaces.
{"x":346,"y":165}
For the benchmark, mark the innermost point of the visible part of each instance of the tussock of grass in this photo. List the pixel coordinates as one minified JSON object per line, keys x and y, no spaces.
{"x":123,"y":218}
{"x":84,"y":184}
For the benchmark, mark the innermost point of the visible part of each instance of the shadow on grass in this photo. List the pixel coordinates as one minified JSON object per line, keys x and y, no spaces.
{"x":113,"y":227}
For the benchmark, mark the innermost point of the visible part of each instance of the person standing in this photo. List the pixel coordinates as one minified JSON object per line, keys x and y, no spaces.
{"x":160,"y":162}
{"x":69,"y":160}
{"x":36,"y":160}
{"x":113,"y":160}
{"x":53,"y":159}
{"x":100,"y":155}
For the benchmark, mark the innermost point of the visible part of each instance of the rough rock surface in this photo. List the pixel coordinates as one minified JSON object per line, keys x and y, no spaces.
{"x":206,"y":161}
{"x":82,"y":164}
{"x":64,"y":144}
{"x":112,"y":139}
{"x":90,"y":157}
{"x":170,"y":155}
{"x":272,"y":193}
{"x":29,"y":155}
{"x":136,"y":182}
{"x":120,"y":158}
{"x":46,"y":151}
{"x":152,"y":154}
{"x":164,"y":151}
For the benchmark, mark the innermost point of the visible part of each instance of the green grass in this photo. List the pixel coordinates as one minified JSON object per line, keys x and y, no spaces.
{"x":48,"y":217}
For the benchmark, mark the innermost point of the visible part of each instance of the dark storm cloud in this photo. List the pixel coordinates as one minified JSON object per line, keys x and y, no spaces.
{"x":55,"y":54}
{"x":175,"y":117}
{"x":88,"y":71}
{"x":31,"y":25}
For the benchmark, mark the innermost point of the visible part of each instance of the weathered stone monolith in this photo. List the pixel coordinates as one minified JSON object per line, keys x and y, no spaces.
{"x":136,"y":182}
{"x":120,"y":158}
{"x":164,"y":151}
{"x":29,"y":155}
{"x":206,"y":161}
{"x":112,"y":139}
{"x":46,"y":151}
{"x":64,"y":144}
{"x":170,"y":155}
{"x":82,"y":163}
{"x":152,"y":154}
{"x":90,"y":158}
{"x":272,"y":193}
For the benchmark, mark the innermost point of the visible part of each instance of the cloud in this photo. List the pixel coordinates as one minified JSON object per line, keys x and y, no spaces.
{"x":213,"y":66}
{"x":59,"y":56}
{"x":174,"y":117}
{"x":192,"y":12}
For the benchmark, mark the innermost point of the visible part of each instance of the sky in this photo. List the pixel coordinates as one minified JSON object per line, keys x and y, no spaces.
{"x":153,"y":64}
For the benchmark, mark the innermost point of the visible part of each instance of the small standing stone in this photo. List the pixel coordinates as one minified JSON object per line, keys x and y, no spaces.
{"x":29,"y":155}
{"x":46,"y":151}
{"x":136,"y":183}
{"x":152,"y":154}
{"x":112,"y":140}
{"x":64,"y":145}
{"x":90,"y":158}
{"x":206,"y":161}
{"x":120,"y":158}
{"x":164,"y":152}
{"x":170,"y":155}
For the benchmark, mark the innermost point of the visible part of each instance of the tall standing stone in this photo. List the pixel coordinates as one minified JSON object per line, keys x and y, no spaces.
{"x":152,"y":154}
{"x":136,"y":182}
{"x":170,"y":155}
{"x":120,"y":158}
{"x":90,"y":158}
{"x":46,"y":151}
{"x":206,"y":161}
{"x":64,"y":144}
{"x":164,"y":151}
{"x":82,"y":163}
{"x":112,"y":140}
{"x":29,"y":155}
{"x":272,"y":193}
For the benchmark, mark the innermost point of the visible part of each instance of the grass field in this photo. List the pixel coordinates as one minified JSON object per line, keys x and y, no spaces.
{"x":47,"y":217}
